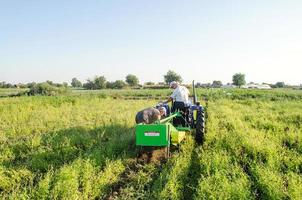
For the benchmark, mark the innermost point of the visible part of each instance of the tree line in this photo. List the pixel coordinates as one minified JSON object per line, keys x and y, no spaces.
{"x":131,"y":80}
{"x":100,"y":82}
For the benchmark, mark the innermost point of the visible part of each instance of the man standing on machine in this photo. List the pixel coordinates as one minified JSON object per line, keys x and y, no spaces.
{"x":180,"y":96}
{"x":180,"y":102}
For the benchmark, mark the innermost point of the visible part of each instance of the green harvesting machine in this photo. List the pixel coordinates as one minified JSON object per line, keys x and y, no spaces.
{"x":181,"y":120}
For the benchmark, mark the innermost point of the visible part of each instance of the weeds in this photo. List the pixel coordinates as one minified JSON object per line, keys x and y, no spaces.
{"x":82,"y":146}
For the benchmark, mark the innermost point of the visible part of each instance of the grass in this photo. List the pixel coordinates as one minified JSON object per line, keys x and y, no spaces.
{"x":246,"y":140}
{"x":4,"y":92}
{"x":82,"y":146}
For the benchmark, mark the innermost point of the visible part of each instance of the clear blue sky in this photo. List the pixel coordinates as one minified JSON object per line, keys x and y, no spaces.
{"x":202,"y":40}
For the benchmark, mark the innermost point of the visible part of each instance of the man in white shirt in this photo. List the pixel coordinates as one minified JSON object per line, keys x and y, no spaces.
{"x":180,"y":93}
{"x":180,"y":98}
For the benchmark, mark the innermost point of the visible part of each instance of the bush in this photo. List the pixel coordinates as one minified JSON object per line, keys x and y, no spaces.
{"x":46,"y":89}
{"x":149,"y":83}
{"x":279,"y":85}
{"x":118,"y":84}
{"x":99,"y":82}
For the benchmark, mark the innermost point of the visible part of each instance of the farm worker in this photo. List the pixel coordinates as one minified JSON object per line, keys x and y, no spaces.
{"x":162,"y":111}
{"x":180,"y":96}
{"x":148,"y":116}
{"x":180,"y":93}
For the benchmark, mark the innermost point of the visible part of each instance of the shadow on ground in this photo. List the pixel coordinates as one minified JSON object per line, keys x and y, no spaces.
{"x":39,"y":153}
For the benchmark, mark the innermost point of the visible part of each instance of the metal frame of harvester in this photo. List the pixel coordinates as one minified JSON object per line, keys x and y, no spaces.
{"x":173,"y":129}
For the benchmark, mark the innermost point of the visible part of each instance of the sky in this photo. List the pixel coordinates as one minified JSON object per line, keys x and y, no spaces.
{"x":202,"y":40}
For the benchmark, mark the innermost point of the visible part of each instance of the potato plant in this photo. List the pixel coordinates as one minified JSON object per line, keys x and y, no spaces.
{"x":82,"y":146}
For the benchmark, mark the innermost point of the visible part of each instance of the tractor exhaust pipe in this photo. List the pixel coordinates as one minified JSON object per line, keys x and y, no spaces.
{"x":194,"y":93}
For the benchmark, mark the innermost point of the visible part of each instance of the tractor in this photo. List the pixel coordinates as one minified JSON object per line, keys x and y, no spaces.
{"x":181,"y":120}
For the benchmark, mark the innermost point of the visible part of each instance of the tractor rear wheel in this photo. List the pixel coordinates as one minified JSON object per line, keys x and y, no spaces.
{"x":200,"y":124}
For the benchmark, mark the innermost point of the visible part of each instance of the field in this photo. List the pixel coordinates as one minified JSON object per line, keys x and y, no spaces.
{"x":81,"y":146}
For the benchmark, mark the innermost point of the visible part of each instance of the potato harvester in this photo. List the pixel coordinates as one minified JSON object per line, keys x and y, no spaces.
{"x":172,"y":130}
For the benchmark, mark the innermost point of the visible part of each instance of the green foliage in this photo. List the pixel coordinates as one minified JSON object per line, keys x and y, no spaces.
{"x":109,"y":85}
{"x":99,"y":82}
{"x":3,"y":84}
{"x":149,"y":83}
{"x":83,"y":147}
{"x":47,"y":89}
{"x":132,"y":80}
{"x":118,"y":84}
{"x":279,"y":85}
{"x":63,"y":147}
{"x":76,"y":83}
{"x":216,"y":84}
{"x":239,"y":79}
{"x":172,"y":76}
{"x":89,"y":85}
{"x":171,"y":183}
{"x":244,"y":138}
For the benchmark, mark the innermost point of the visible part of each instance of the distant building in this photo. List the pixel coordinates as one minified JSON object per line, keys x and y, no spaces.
{"x":229,"y":85}
{"x":256,"y":86}
{"x":264,"y":87}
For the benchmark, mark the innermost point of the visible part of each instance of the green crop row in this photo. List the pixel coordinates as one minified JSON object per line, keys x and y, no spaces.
{"x":245,"y":155}
{"x":82,"y":147}
{"x":162,"y":94}
{"x":210,"y":94}
{"x":64,"y":147}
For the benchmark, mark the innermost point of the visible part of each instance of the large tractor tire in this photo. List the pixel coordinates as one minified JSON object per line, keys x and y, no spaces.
{"x":200,"y":130}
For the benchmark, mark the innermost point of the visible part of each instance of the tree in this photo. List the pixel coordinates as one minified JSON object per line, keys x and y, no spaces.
{"x":49,"y":82}
{"x":149,"y":83}
{"x":217,"y":84}
{"x":119,"y":84}
{"x":2,"y":84}
{"x":89,"y":85}
{"x":109,"y":85}
{"x":280,"y":85}
{"x":239,"y":79}
{"x":30,"y":85}
{"x":172,"y":76}
{"x":203,"y":85}
{"x":132,"y":80}
{"x":100,"y":82}
{"x":6,"y":85}
{"x":9,"y":85}
{"x":76,"y":83}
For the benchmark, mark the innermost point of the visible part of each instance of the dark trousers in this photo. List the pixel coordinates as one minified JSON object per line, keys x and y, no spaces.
{"x":180,"y":106}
